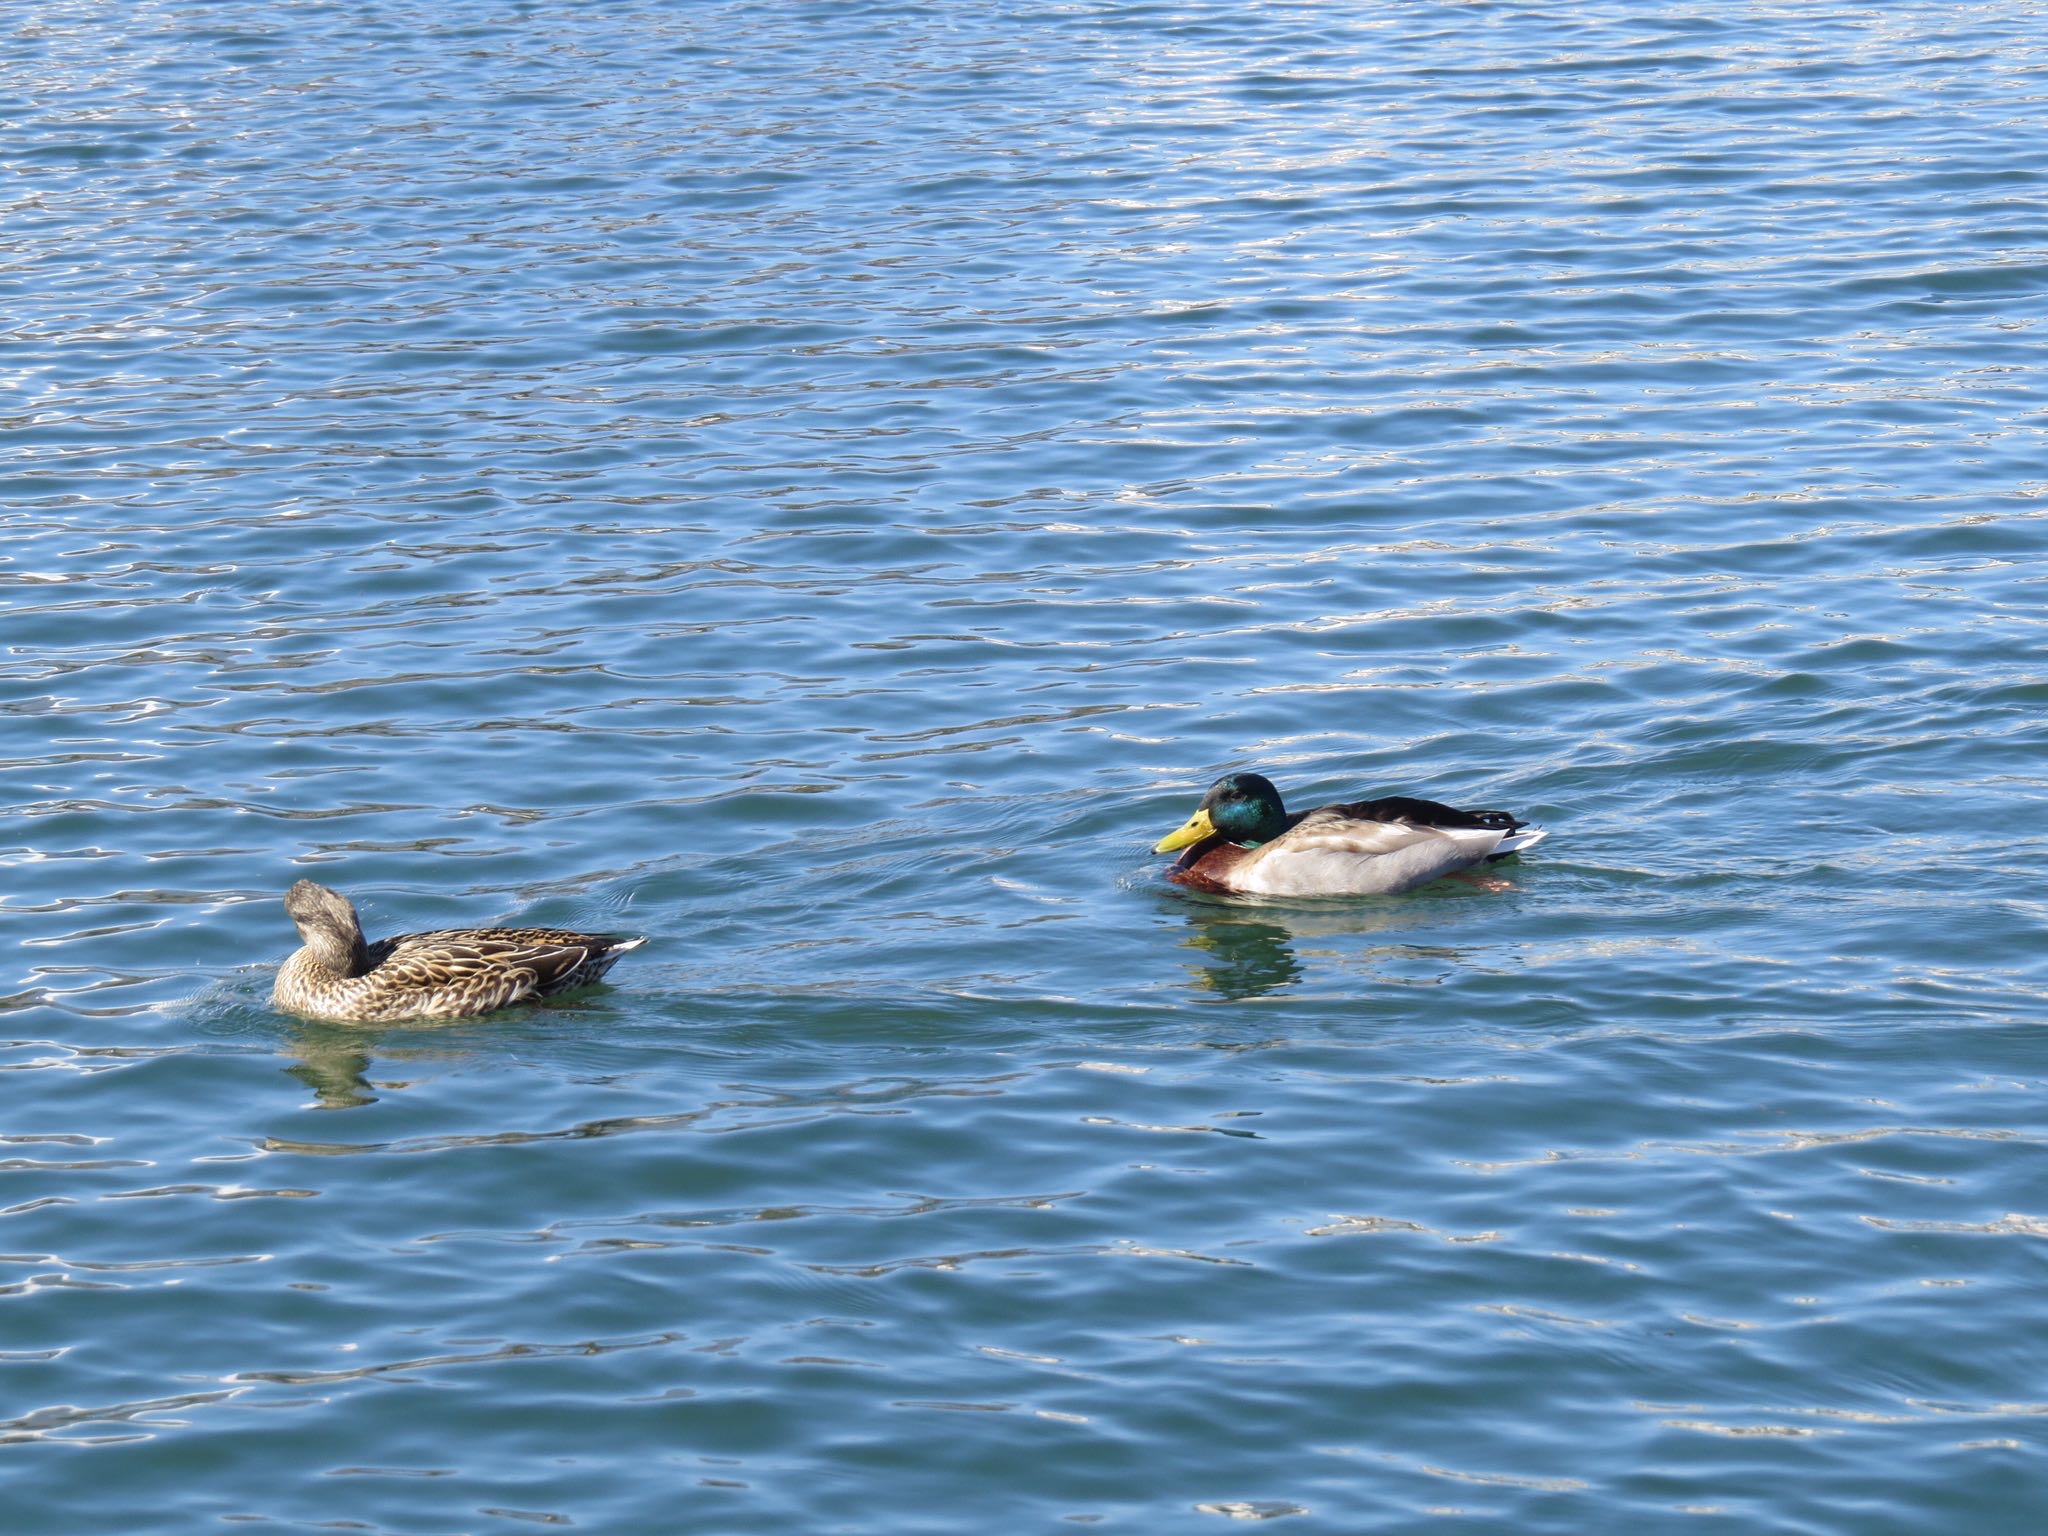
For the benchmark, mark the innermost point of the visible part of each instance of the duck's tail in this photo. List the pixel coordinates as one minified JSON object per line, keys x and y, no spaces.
{"x":1522,"y":837}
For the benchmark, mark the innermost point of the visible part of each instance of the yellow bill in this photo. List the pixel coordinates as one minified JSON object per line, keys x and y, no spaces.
{"x":1193,"y":830}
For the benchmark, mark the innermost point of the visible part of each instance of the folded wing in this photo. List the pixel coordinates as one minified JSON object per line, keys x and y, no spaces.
{"x":472,"y":970}
{"x":1370,"y":848}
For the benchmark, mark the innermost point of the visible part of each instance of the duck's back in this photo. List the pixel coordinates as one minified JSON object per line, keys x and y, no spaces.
{"x":459,"y":971}
{"x":1362,"y":848}
{"x":1333,"y":853}
{"x":449,"y":973}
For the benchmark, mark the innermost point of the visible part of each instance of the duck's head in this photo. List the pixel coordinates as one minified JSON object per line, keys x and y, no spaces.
{"x":326,"y":921}
{"x":1241,"y":808}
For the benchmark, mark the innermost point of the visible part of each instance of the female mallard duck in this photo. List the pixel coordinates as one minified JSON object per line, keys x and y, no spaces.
{"x":447,"y":974}
{"x":1242,"y":840}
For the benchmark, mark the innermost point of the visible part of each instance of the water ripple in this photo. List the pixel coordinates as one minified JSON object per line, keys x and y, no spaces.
{"x":826,"y":488}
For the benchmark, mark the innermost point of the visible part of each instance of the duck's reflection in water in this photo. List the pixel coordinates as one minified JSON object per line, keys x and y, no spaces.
{"x":1242,"y":956}
{"x":334,"y":1061}
{"x":1253,"y":947}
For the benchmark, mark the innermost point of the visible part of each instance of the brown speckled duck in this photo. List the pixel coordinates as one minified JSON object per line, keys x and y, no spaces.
{"x":447,"y":974}
{"x":1242,"y":840}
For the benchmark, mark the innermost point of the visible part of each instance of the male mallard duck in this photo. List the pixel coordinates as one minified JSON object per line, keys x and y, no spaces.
{"x":1242,"y":840}
{"x":447,"y":974}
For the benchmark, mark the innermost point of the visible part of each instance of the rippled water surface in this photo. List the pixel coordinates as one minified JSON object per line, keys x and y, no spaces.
{"x":825,"y":486}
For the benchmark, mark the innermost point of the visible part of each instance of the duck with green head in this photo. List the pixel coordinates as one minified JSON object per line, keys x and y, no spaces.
{"x":1243,"y":840}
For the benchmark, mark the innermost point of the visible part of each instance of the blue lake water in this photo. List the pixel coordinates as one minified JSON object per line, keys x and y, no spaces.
{"x":826,"y":486}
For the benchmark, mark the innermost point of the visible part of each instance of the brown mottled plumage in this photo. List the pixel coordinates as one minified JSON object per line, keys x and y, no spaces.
{"x":447,"y":974}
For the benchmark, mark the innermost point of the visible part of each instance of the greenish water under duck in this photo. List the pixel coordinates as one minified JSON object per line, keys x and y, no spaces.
{"x":827,"y":488}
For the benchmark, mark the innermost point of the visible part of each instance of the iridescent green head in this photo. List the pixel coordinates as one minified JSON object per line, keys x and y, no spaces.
{"x":1242,"y":808}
